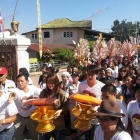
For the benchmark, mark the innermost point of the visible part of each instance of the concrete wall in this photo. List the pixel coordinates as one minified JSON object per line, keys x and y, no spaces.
{"x":29,"y":35}
{"x":45,"y":40}
{"x":56,"y":36}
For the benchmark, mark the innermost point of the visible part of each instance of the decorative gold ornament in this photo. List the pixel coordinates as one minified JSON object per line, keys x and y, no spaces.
{"x":83,"y":114}
{"x":15,"y":26}
{"x":44,"y":116}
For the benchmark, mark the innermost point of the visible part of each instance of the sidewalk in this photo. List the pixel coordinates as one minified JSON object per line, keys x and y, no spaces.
{"x":39,"y":72}
{"x":35,"y":76}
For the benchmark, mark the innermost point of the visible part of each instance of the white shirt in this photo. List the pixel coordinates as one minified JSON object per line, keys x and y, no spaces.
{"x":124,"y":111}
{"x":32,"y":92}
{"x":133,"y":111}
{"x":6,"y":110}
{"x":115,"y":73}
{"x":65,"y":86}
{"x":120,"y":65}
{"x":48,"y":65}
{"x":99,"y":135}
{"x":9,"y":86}
{"x":42,"y":85}
{"x":73,"y":89}
{"x":96,"y":90}
{"x":30,"y":81}
{"x":135,"y":62}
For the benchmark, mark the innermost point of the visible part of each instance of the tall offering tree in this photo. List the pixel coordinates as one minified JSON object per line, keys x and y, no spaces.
{"x":81,"y":51}
{"x":100,"y":50}
{"x":128,"y":49}
{"x":114,"y":48}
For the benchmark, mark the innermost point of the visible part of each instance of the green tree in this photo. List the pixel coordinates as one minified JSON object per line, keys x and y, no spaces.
{"x":65,"y":55}
{"x":125,"y":29}
{"x":47,"y":55}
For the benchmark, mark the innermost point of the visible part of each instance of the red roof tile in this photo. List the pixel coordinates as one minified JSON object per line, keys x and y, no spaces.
{"x":35,"y":47}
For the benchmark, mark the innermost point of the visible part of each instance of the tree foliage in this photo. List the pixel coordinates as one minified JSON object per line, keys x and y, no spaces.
{"x":47,"y":55}
{"x":64,"y":54}
{"x":125,"y":29}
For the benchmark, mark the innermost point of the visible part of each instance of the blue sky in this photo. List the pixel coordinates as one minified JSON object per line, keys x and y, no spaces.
{"x":73,"y":9}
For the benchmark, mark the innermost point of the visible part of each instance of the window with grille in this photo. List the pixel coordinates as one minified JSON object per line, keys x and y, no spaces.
{"x":46,"y":34}
{"x":68,"y":34}
{"x":34,"y":36}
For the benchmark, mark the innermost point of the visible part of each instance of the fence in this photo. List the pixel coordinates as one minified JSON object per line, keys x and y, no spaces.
{"x":37,"y":66}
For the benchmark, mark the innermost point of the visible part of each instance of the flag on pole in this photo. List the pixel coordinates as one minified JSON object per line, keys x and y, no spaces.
{"x":1,"y":23}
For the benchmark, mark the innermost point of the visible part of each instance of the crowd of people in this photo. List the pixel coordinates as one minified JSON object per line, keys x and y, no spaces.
{"x":115,"y":82}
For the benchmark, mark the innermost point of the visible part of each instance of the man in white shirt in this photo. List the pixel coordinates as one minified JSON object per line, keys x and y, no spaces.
{"x":94,"y":87}
{"x":8,"y":111}
{"x":109,"y":92}
{"x":23,"y":117}
{"x":8,"y":85}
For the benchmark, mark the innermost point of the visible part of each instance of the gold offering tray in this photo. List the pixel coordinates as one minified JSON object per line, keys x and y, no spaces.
{"x":83,"y":114}
{"x":44,"y":116}
{"x":39,"y":117}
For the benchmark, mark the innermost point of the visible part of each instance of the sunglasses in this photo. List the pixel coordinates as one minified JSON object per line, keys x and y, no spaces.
{"x":105,"y":119}
{"x":123,"y":71}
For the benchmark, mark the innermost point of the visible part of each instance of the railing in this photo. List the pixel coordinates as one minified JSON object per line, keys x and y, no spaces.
{"x":37,"y":66}
{"x":34,"y":67}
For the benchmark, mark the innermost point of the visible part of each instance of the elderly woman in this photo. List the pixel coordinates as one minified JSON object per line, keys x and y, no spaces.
{"x":64,"y":84}
{"x":53,"y":91}
{"x":111,"y":127}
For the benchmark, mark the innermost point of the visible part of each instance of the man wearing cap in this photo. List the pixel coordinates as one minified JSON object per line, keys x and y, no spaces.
{"x":110,"y":80}
{"x":8,"y":85}
{"x":8,"y":111}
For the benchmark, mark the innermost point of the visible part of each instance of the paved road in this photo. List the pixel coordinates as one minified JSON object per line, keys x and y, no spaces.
{"x":35,"y":76}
